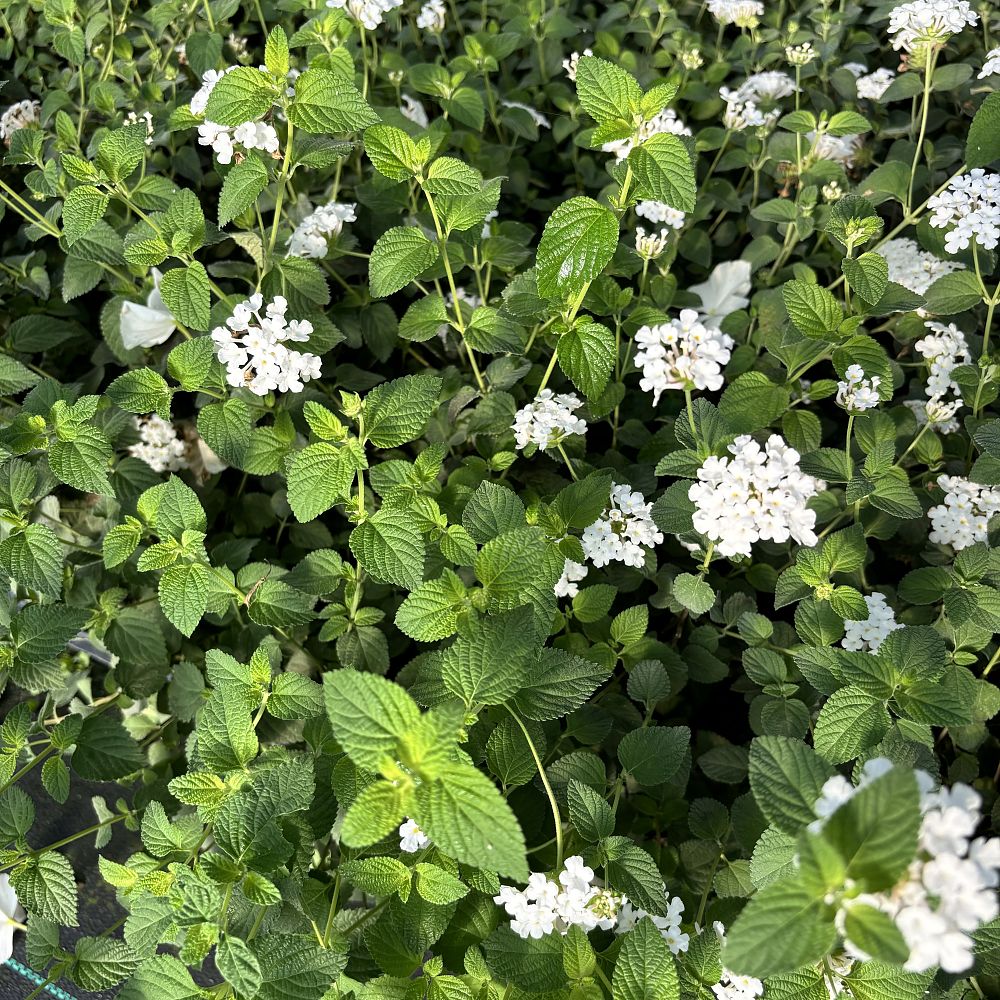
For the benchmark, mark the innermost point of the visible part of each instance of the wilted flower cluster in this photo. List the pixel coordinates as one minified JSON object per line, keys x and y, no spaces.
{"x":369,"y":13}
{"x":544,"y":907}
{"x":18,"y":116}
{"x":159,"y":445}
{"x":625,"y":531}
{"x":652,"y":245}
{"x":923,"y":22}
{"x":964,"y":517}
{"x":869,"y":634}
{"x":970,"y":204}
{"x":310,"y":236}
{"x":759,"y":493}
{"x":857,"y":393}
{"x":668,"y":925}
{"x":548,"y":419}
{"x":912,"y":267}
{"x":411,"y":837}
{"x":742,"y":13}
{"x":950,"y":888}
{"x":663,"y":121}
{"x":681,"y":354}
{"x":252,"y":348}
{"x":874,"y":85}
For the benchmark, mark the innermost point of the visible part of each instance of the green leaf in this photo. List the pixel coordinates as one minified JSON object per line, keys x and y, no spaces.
{"x":140,"y":391}
{"x":606,"y":92}
{"x":953,"y":293}
{"x":226,"y":737}
{"x":376,"y":876}
{"x":375,"y":813}
{"x":561,"y":683}
{"x":186,"y":293}
{"x":390,"y":547}
{"x":451,"y":177}
{"x":105,"y":751}
{"x":318,"y":477}
{"x":438,"y":886}
{"x":46,"y":888}
{"x":465,"y":815}
{"x":34,"y":557}
{"x":781,"y":929}
{"x":233,"y":957}
{"x":786,"y":778}
{"x":495,"y":510}
{"x":276,"y":60}
{"x":183,"y":593}
{"x":432,"y":610}
{"x":397,"y":412}
{"x":40,"y":631}
{"x":851,"y":721}
{"x":868,"y":275}
{"x":102,"y":963}
{"x":295,"y":697}
{"x":83,"y":461}
{"x":874,"y":933}
{"x":82,"y":209}
{"x":590,"y":815}
{"x":813,"y":310}
{"x":587,"y":356}
{"x":392,"y":152}
{"x":242,"y":95}
{"x":369,"y":714}
{"x":400,"y":254}
{"x":277,"y":604}
{"x":242,"y":185}
{"x":329,"y":102}
{"x":579,"y":239}
{"x":982,"y":146}
{"x":644,"y":969}
{"x":654,"y":754}
{"x":633,"y":872}
{"x":227,"y":428}
{"x":664,"y":171}
{"x":693,"y":593}
{"x":161,"y":977}
{"x":508,"y":564}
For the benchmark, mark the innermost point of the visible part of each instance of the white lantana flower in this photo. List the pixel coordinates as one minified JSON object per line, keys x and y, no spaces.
{"x":11,"y":914}
{"x":912,"y":267}
{"x":652,"y":245}
{"x":146,"y":325}
{"x":742,"y":13}
{"x":661,"y":212}
{"x":991,"y":66}
{"x":310,"y":237}
{"x":668,"y":925}
{"x":869,"y":634}
{"x":742,"y":113}
{"x":933,"y":22}
{"x":411,"y":837}
{"x":663,"y":121}
{"x":964,"y":517}
{"x":683,"y":354}
{"x":433,"y":17}
{"x":570,"y":65}
{"x":572,"y":574}
{"x":856,"y":393}
{"x":874,"y":85}
{"x":413,"y":110}
{"x":159,"y":445}
{"x":766,"y":87}
{"x":548,"y":420}
{"x":970,"y":209}
{"x":624,"y":532}
{"x":759,"y":493}
{"x":366,"y":12}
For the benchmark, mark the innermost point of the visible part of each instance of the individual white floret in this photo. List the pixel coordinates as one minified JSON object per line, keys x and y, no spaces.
{"x":411,"y":838}
{"x":548,"y":420}
{"x":856,"y":393}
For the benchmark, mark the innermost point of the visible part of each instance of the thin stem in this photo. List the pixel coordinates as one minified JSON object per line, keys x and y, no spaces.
{"x":553,"y":804}
{"x":930,"y":60}
{"x":282,"y":183}
{"x":569,"y":464}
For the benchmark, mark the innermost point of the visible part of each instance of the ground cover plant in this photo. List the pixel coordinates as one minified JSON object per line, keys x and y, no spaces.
{"x":498,"y":499}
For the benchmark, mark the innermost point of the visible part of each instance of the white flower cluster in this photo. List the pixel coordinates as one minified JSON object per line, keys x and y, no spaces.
{"x":922,"y":22}
{"x":759,"y":493}
{"x":548,"y":419}
{"x":858,"y":393}
{"x":208,"y":81}
{"x":310,"y":236}
{"x":912,"y":267}
{"x":800,"y":55}
{"x":159,"y":445}
{"x":413,"y":111}
{"x":411,"y":837}
{"x":669,"y":926}
{"x":544,"y":907}
{"x":18,"y":116}
{"x":652,"y":245}
{"x":249,"y":135}
{"x":970,"y":203}
{"x":873,"y":85}
{"x":731,"y":986}
{"x":766,"y":87}
{"x":433,"y":17}
{"x":868,"y":635}
{"x":366,"y":12}
{"x":950,"y":888}
{"x":624,"y":532}
{"x":663,"y":121}
{"x":742,"y":113}
{"x":681,"y":354}
{"x":944,"y":349}
{"x":832,"y":191}
{"x":991,"y":67}
{"x":252,"y":348}
{"x":570,"y":65}
{"x":842,"y":149}
{"x":660,"y":211}
{"x":572,"y":574}
{"x":742,"y":13}
{"x":963,"y":518}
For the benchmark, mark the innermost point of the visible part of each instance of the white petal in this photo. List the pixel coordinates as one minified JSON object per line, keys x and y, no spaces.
{"x":142,"y":326}
{"x":6,"y":941}
{"x":726,"y":289}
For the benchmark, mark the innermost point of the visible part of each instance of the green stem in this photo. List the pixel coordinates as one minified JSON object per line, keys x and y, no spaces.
{"x":930,"y":60}
{"x":553,"y":804}
{"x":282,"y":183}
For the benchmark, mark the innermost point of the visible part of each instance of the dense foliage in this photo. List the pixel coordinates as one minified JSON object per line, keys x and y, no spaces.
{"x":498,"y":496}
